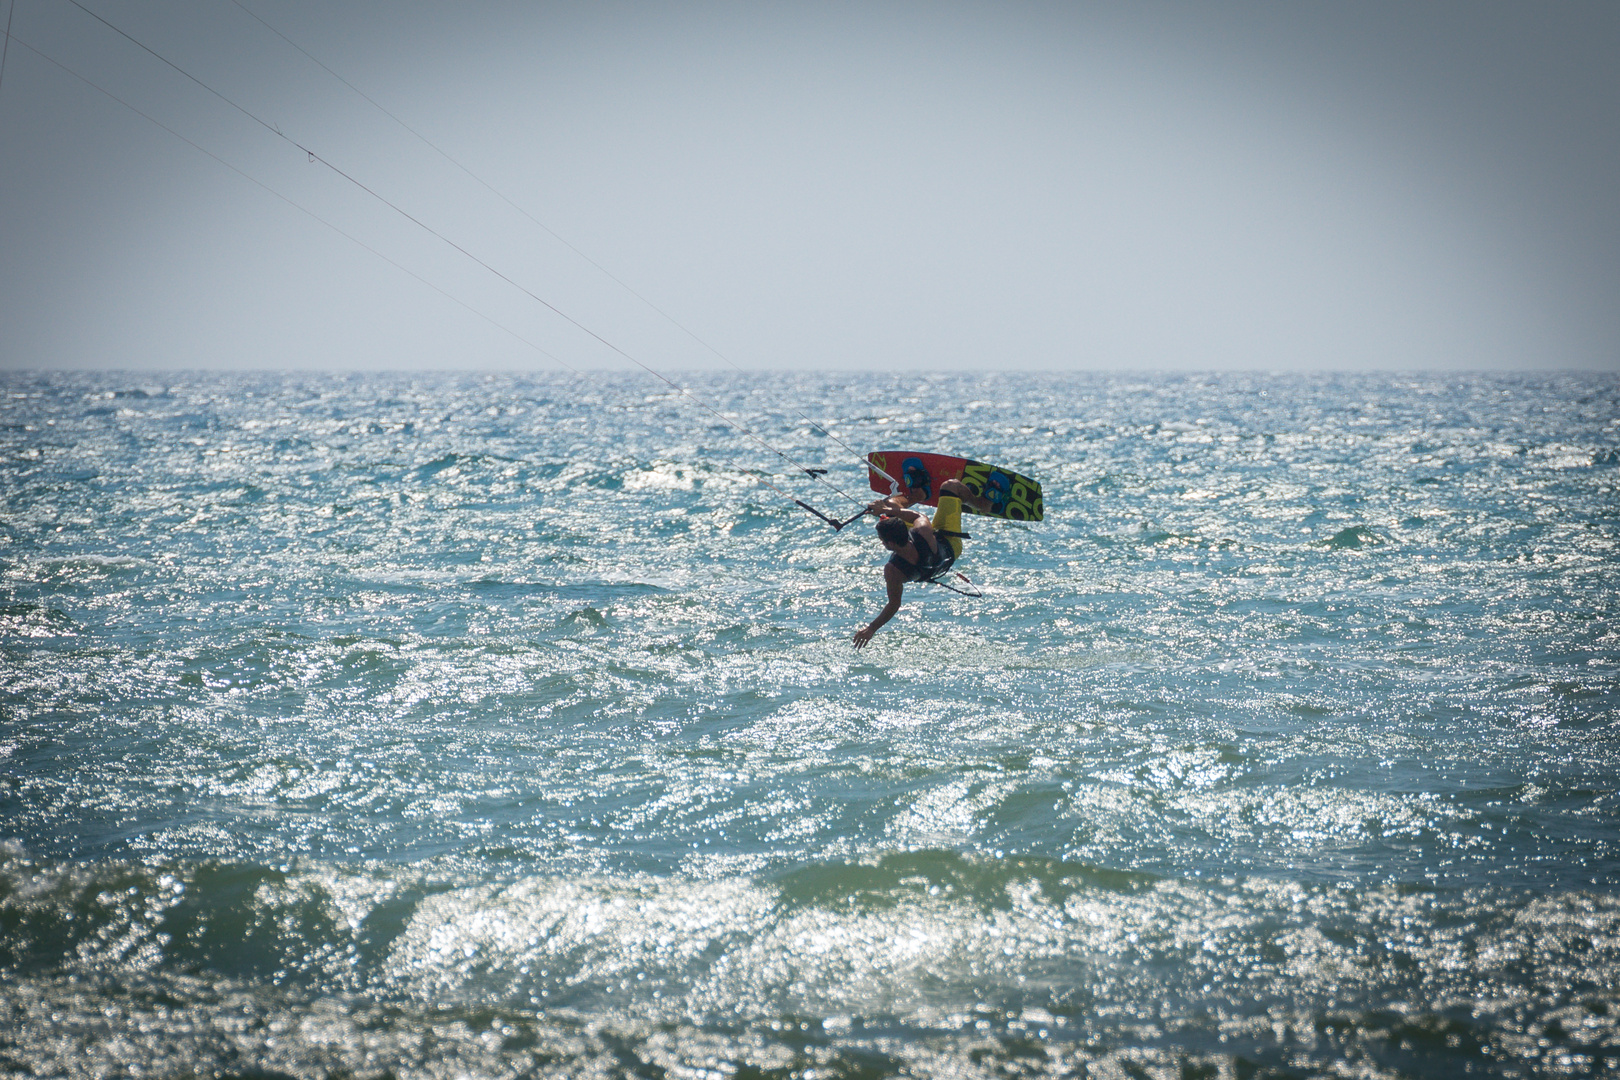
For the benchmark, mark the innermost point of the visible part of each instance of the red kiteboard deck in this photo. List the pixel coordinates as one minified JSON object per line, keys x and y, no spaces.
{"x":920,"y":474}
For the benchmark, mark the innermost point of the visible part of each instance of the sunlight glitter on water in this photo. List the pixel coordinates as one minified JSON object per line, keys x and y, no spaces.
{"x":436,"y":726}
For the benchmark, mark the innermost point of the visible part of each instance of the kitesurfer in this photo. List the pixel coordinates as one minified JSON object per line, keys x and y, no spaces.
{"x":920,"y":548}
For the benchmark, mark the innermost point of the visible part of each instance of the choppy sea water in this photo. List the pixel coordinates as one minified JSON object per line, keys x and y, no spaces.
{"x":496,"y":726}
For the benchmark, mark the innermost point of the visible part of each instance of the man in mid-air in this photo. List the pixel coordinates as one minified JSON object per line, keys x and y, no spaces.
{"x":919,"y":549}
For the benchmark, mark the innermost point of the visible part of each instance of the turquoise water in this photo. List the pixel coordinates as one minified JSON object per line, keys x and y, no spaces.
{"x":498,"y":726}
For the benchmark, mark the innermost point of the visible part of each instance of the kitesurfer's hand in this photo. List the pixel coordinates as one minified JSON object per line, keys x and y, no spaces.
{"x":863,"y":636}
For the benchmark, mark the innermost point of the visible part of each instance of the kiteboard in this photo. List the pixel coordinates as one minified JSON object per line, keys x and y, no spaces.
{"x":919,"y":475}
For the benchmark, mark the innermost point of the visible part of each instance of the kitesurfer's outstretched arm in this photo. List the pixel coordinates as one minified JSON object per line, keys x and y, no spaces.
{"x":897,"y":585}
{"x":895,"y":506}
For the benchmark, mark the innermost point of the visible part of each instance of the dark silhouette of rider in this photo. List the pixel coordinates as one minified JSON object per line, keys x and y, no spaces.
{"x":920,"y":548}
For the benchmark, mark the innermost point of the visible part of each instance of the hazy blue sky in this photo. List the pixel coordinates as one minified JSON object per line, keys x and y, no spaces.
{"x":1119,"y":186}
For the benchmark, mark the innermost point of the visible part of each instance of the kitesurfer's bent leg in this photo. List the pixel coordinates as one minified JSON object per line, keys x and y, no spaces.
{"x":948,"y":519}
{"x":959,"y":490}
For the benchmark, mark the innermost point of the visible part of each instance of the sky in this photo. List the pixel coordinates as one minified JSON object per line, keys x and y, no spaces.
{"x":810,"y":186}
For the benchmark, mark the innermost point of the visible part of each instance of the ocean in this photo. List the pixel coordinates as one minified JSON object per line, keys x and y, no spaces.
{"x":395,"y":725}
